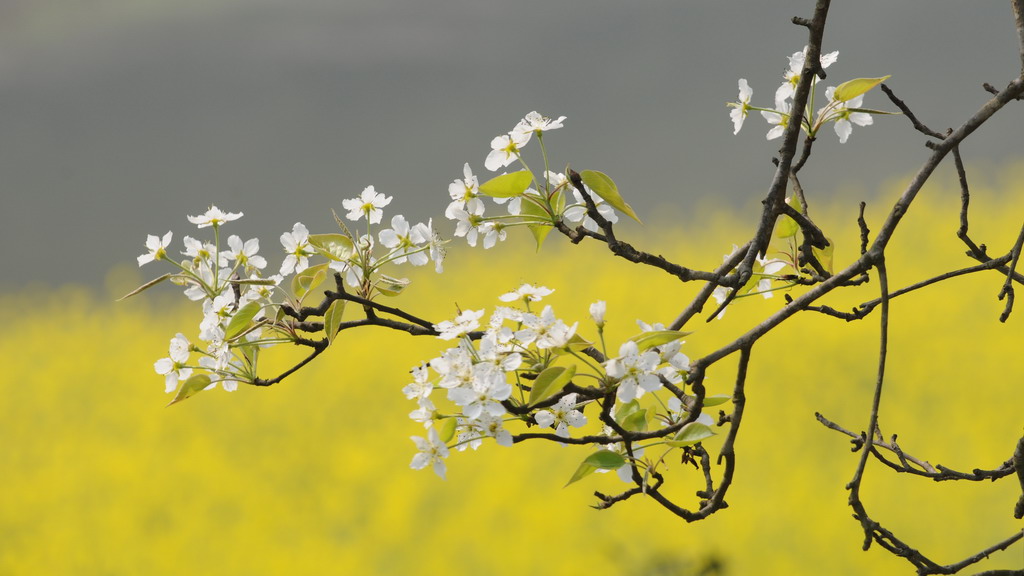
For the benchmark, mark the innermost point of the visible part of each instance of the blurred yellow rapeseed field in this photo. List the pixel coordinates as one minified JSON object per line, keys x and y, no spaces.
{"x":312,"y":476}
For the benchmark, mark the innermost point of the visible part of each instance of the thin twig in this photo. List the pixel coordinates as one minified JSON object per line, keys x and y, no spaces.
{"x":1007,"y":290}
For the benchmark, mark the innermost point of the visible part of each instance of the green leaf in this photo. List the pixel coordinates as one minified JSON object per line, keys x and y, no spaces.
{"x":507,"y":185}
{"x":254,"y":281}
{"x":146,"y":286}
{"x":550,"y":382}
{"x":576,"y":344}
{"x":873,"y":111}
{"x":308,"y":279}
{"x":558,"y":200}
{"x":389,"y":286}
{"x":716,"y":400}
{"x":691,"y":434}
{"x":852,"y":88}
{"x":195,"y":384}
{"x":250,"y":350}
{"x":447,"y":431}
{"x":241,"y":320}
{"x":540,"y":232}
{"x":636,"y":421}
{"x":824,"y":255}
{"x":534,"y":212}
{"x":648,"y":340}
{"x":332,"y":319}
{"x":332,"y":246}
{"x":786,"y":227}
{"x":600,"y":460}
{"x":625,"y":410}
{"x":604,"y":187}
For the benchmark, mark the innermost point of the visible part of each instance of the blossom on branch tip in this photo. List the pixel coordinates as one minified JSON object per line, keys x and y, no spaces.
{"x":202,"y":252}
{"x":486,"y":426}
{"x":420,"y":387}
{"x":157,"y":248}
{"x":368,"y":203}
{"x":796,"y":66}
{"x":526,"y":292}
{"x":173,"y":367}
{"x":484,"y":394}
{"x":634,"y":371}
{"x":201,"y":289}
{"x":454,"y":366}
{"x":425,"y":413}
{"x":465,"y":192}
{"x":535,"y":123}
{"x":406,"y":241}
{"x":493,"y":232}
{"x":545,"y":331}
{"x":214,"y":217}
{"x":431,"y":451}
{"x":466,"y":224}
{"x":741,"y":107}
{"x":296,"y":244}
{"x":505,"y":149}
{"x":216,"y":314}
{"x":466,"y":321}
{"x":435,"y":247}
{"x":246,"y":253}
{"x":778,"y":117}
{"x":220,"y":361}
{"x":597,"y":310}
{"x":843,"y":115}
{"x":561,"y":416}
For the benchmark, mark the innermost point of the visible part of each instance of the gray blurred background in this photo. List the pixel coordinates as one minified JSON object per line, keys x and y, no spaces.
{"x":118,"y":117}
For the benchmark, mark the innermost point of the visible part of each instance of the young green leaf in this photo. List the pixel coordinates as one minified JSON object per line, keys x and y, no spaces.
{"x":332,"y":319}
{"x":332,"y":246}
{"x":447,"y":431}
{"x":715,"y":400}
{"x":241,"y":320}
{"x":250,"y":351}
{"x":540,"y":232}
{"x":507,"y":185}
{"x":532,"y":210}
{"x":600,"y":460}
{"x":146,"y":286}
{"x":604,"y":187}
{"x":550,"y":382}
{"x":691,"y":434}
{"x":576,"y":344}
{"x":852,"y":88}
{"x":648,"y":340}
{"x":873,"y":111}
{"x":196,"y":383}
{"x":824,"y":255}
{"x":254,"y":281}
{"x":626,"y":410}
{"x":637,"y":421}
{"x":389,"y":286}
{"x":307,"y":280}
{"x":786,"y":227}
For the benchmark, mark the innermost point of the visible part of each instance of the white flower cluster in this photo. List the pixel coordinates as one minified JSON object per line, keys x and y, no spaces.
{"x":238,"y":300}
{"x":536,"y":203}
{"x":226,"y":353}
{"x":843,"y":112}
{"x":478,"y":377}
{"x":488,"y":372}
